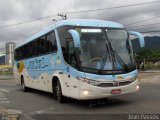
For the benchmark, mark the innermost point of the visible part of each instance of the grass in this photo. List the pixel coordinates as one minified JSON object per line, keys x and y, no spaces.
{"x":6,"y":72}
{"x":152,"y":66}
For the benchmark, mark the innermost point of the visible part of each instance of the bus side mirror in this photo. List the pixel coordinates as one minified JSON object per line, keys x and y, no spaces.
{"x":140,"y":36}
{"x":76,"y":38}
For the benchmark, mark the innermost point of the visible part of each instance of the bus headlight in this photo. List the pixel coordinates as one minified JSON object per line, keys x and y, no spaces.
{"x":133,"y":78}
{"x":85,"y":92}
{"x":137,"y":87}
{"x":88,"y":81}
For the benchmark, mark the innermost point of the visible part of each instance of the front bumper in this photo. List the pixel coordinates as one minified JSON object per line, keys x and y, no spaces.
{"x":88,"y":92}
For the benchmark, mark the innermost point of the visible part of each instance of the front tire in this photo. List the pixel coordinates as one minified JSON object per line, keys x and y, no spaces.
{"x":58,"y":92}
{"x":24,"y":88}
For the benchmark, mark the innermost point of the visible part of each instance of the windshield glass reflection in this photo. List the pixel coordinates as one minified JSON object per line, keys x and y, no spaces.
{"x":105,"y":49}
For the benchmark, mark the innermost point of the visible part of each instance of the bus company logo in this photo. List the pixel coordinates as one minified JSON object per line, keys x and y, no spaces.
{"x":58,"y":60}
{"x":119,"y":77}
{"x":115,"y":83}
{"x":20,"y":66}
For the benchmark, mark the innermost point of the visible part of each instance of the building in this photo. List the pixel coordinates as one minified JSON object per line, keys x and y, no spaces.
{"x":10,"y":46}
{"x":2,"y":59}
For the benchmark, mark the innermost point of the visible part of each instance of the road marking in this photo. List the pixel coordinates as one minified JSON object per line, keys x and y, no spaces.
{"x":4,"y":90}
{"x":4,"y":102}
{"x":1,"y":96}
{"x":3,"y":99}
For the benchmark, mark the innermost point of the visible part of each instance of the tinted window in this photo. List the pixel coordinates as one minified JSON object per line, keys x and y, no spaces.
{"x":50,"y":42}
{"x":64,"y":36}
{"x":26,"y":51}
{"x":42,"y":45}
{"x":71,"y":53}
{"x":32,"y":50}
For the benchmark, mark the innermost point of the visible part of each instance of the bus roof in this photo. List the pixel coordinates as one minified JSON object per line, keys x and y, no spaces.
{"x":74,"y":22}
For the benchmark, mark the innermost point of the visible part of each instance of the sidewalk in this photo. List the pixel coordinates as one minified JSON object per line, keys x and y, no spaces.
{"x":149,"y":71}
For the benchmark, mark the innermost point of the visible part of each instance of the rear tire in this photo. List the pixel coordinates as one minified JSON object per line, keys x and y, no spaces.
{"x":24,"y":88}
{"x":58,"y":92}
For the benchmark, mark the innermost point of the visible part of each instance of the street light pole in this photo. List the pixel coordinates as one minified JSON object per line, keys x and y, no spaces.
{"x":63,"y":16}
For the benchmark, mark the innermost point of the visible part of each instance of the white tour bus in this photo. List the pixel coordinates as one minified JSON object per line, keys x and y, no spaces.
{"x":81,"y":59}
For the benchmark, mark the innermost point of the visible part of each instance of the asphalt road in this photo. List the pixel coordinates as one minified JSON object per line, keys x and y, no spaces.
{"x":37,"y":105}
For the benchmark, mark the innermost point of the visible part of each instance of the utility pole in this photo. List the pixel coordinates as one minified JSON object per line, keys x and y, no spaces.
{"x":63,"y":16}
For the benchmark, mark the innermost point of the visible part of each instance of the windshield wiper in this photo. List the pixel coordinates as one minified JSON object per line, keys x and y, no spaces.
{"x":107,"y":56}
{"x":114,"y":55}
{"x":120,"y":60}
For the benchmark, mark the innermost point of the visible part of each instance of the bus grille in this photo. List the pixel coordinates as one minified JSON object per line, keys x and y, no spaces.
{"x":116,"y":83}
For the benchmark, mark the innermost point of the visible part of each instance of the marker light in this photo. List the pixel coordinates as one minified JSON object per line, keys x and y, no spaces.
{"x":91,"y":30}
{"x":137,"y":87}
{"x":85,"y":92}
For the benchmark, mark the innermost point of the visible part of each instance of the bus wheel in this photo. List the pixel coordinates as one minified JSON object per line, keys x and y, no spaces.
{"x":58,"y":92}
{"x":24,"y":88}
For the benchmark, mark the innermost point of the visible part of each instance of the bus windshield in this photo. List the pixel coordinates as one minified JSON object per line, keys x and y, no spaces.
{"x":105,"y":49}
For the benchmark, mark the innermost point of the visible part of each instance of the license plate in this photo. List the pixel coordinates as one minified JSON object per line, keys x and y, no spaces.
{"x":116,"y":91}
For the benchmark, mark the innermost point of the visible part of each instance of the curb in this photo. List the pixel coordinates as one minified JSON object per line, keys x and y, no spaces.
{"x":6,"y":77}
{"x":150,"y":71}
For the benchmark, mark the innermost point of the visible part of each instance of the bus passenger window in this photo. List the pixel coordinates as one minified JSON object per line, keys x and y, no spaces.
{"x":64,"y":51}
{"x":51,"y":44}
{"x":71,"y":53}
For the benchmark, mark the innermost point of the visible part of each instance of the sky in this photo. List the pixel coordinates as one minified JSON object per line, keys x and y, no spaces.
{"x":17,"y":11}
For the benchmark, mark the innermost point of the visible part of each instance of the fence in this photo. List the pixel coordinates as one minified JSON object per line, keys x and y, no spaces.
{"x":6,"y":70}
